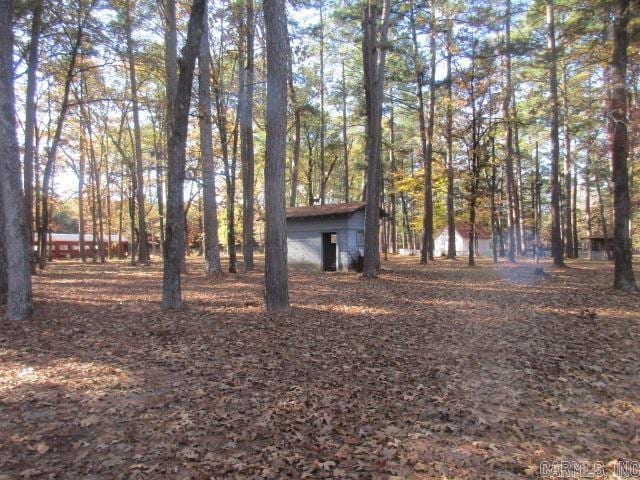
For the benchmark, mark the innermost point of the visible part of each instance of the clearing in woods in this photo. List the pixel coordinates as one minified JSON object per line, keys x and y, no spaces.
{"x":427,"y":372}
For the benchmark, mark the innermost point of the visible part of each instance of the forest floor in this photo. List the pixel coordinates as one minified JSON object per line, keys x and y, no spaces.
{"x":435,"y":371}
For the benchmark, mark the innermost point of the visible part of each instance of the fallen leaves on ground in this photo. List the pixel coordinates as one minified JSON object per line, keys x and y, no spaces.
{"x":426,"y":372}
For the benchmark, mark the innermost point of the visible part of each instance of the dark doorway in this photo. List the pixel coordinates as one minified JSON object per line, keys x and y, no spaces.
{"x":329,"y":251}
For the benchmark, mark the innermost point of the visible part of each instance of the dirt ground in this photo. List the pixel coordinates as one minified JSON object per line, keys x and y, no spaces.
{"x":436,"y":372}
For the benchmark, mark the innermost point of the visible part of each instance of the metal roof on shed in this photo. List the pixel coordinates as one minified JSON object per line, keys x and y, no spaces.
{"x":325,"y":210}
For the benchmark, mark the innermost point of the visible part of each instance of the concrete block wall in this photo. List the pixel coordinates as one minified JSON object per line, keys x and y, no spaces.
{"x":304,"y":239}
{"x":304,"y":248}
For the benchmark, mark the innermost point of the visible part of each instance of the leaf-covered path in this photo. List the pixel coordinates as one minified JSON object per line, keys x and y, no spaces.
{"x":427,"y":372}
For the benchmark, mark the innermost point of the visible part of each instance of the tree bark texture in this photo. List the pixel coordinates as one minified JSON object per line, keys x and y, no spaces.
{"x":623,"y":271}
{"x":53,"y":150}
{"x":374,"y":54}
{"x":276,"y":275}
{"x":143,"y":245}
{"x":246,"y":141}
{"x":179,"y":119}
{"x":30,"y":115}
{"x":506,"y":113}
{"x":212,"y":264}
{"x":15,"y":231}
{"x":556,"y":238}
{"x":451,"y":214}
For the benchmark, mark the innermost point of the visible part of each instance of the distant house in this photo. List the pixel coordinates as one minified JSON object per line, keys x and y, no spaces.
{"x":326,"y":237}
{"x":483,"y":245}
{"x":67,"y":245}
{"x":599,"y":247}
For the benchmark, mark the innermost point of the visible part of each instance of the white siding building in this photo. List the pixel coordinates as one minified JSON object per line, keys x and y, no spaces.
{"x":483,"y":245}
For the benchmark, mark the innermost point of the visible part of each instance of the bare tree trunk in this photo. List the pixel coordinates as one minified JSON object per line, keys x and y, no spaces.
{"x":634,"y":140}
{"x":30,"y":119}
{"x":50,"y":238}
{"x":519,"y":210}
{"x":474,"y":157}
{"x":107,"y":172}
{"x":133,"y":237}
{"x":92,"y":195}
{"x":36,"y":185}
{"x":494,"y":236}
{"x":81,"y":206}
{"x":4,"y":283}
{"x":276,"y":276}
{"x":556,"y":239}
{"x":384,"y":234}
{"x":473,"y":200}
{"x":94,"y":175}
{"x":568,"y":228}
{"x":506,"y":113}
{"x":310,"y":145}
{"x":201,"y":227}
{"x":123,"y":155}
{"x":500,"y":226}
{"x":624,"y":278}
{"x":451,"y":214}
{"x":121,"y":213}
{"x":537,"y":207}
{"x":406,"y":225}
{"x":171,"y":73}
{"x":246,"y":138}
{"x":231,"y":210}
{"x":159,"y":154}
{"x":428,"y":184}
{"x":187,"y":243}
{"x":603,"y":217}
{"x":15,"y":231}
{"x":53,"y":150}
{"x":98,"y":173}
{"x":212,"y":264}
{"x":345,"y":147}
{"x":574,"y":211}
{"x":419,"y":78}
{"x":170,"y":57}
{"x":325,"y":179}
{"x":394,"y":171}
{"x":384,"y":237}
{"x":96,"y":244}
{"x":143,"y":247}
{"x":295,"y":160}
{"x":178,"y":120}
{"x":587,"y":188}
{"x":109,"y":220}
{"x":229,"y":167}
{"x":472,"y":224}
{"x":374,"y":54}
{"x":133,"y":188}
{"x":323,"y":171}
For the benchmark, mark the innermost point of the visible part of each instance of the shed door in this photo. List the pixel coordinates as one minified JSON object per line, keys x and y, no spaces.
{"x":329,"y":251}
